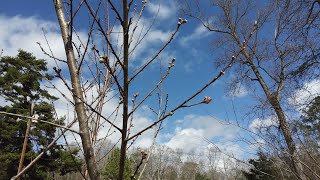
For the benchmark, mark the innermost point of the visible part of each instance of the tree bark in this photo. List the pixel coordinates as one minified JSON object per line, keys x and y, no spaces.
{"x":274,"y":101}
{"x":125,"y":27}
{"x":295,"y":160}
{"x":77,"y":94}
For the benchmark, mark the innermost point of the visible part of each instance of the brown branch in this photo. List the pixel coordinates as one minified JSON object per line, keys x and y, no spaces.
{"x":116,"y":11}
{"x":154,"y":57}
{"x":222,"y":72}
{"x":50,"y":56}
{"x":34,"y":120}
{"x":42,"y":153}
{"x":105,"y":60}
{"x":154,"y":88}
{"x":143,"y":157}
{"x":89,"y":36}
{"x":103,"y":33}
{"x":136,"y":23}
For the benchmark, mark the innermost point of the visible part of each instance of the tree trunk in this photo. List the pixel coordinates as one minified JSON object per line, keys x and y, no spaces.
{"x":125,"y":117}
{"x":297,"y":166}
{"x":77,"y":94}
{"x":274,"y":101}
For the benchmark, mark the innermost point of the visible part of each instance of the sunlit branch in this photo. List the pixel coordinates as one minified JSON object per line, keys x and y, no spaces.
{"x":154,"y":57}
{"x":43,"y":152}
{"x":104,"y":34}
{"x":113,"y":8}
{"x":222,"y":72}
{"x":154,"y":88}
{"x":137,"y":21}
{"x":40,"y":120}
{"x":106,"y":61}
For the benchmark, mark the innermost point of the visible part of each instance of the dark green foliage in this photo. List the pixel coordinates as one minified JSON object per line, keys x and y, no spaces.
{"x":111,"y":169}
{"x":262,"y":164}
{"x":311,"y":119}
{"x":67,"y":162}
{"x":20,"y":79}
{"x":264,"y":168}
{"x":201,"y":176}
{"x":309,"y":124}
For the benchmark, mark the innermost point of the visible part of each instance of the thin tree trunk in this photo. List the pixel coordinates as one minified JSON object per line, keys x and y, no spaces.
{"x":123,"y":150}
{"x":77,"y":94}
{"x":298,"y":168}
{"x":274,"y":101}
{"x":24,"y":147}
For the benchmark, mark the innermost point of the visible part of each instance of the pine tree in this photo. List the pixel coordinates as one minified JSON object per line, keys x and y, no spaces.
{"x":20,"y":79}
{"x":310,"y":123}
{"x":111,"y":170}
{"x":265,"y":168}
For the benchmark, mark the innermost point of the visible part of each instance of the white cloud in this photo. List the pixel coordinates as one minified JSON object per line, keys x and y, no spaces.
{"x":238,"y":91}
{"x":193,"y":131}
{"x":62,"y":106}
{"x":259,"y":124}
{"x":199,"y":33}
{"x":188,"y":139}
{"x":140,"y":118}
{"x":161,"y":9}
{"x":145,"y":42}
{"x":307,"y":93}
{"x":24,"y":33}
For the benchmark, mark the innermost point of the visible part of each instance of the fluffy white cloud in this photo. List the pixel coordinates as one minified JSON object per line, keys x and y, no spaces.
{"x":144,"y":42}
{"x":198,"y":33}
{"x":193,"y":131}
{"x":207,"y":139}
{"x":260,"y":124}
{"x":64,"y":108}
{"x":188,"y":139}
{"x":162,"y":9}
{"x":238,"y":90}
{"x":24,"y":33}
{"x":303,"y":96}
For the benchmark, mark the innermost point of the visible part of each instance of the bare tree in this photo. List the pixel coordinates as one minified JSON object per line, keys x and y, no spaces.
{"x":277,"y":45}
{"x":108,"y":65}
{"x":77,"y":91}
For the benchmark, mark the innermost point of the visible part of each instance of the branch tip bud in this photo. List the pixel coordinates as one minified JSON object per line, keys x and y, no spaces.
{"x":103,"y":59}
{"x":182,"y":21}
{"x":207,"y":99}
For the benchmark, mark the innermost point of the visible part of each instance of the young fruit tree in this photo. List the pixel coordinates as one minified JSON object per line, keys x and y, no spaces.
{"x":100,"y":76}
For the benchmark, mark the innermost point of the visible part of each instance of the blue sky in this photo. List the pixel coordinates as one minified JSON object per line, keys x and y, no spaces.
{"x":22,"y":23}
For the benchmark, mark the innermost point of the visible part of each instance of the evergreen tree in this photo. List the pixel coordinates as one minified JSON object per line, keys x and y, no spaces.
{"x":111,"y":170}
{"x":20,"y":79}
{"x":264,"y":168}
{"x":310,"y":123}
